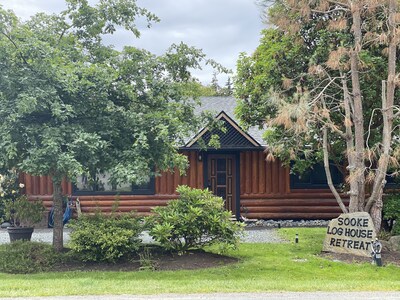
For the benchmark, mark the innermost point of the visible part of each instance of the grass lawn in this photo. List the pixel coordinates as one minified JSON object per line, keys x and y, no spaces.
{"x":263,"y":267}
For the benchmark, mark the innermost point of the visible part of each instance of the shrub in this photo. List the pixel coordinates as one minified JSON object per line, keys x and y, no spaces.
{"x":10,"y":189}
{"x":24,"y":212}
{"x":105,"y":237}
{"x":391,"y":213}
{"x":27,"y":257}
{"x":196,"y":219}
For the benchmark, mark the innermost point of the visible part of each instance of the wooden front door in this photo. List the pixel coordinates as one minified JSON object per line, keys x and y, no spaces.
{"x":221,"y":178}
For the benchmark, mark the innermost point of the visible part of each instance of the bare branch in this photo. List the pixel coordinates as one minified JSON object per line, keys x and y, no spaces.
{"x":339,"y":3}
{"x":319,"y":95}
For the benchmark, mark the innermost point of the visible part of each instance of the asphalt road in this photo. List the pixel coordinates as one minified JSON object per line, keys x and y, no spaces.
{"x":239,"y":296}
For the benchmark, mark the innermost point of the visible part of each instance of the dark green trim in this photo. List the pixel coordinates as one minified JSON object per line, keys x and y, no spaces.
{"x":237,"y":161}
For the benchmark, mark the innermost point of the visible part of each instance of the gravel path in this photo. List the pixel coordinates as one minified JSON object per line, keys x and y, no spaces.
{"x":251,"y":235}
{"x":39,"y":235}
{"x":261,"y":235}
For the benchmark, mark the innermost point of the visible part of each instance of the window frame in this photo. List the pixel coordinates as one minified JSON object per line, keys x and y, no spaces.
{"x":391,"y":184}
{"x":337,"y":178}
{"x":148,"y":191}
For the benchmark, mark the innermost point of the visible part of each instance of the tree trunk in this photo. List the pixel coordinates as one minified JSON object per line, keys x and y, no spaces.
{"x":58,"y":214}
{"x":353,"y":193}
{"x":358,"y":115}
{"x":328,"y":172}
{"x":374,"y":204}
{"x":376,"y":212}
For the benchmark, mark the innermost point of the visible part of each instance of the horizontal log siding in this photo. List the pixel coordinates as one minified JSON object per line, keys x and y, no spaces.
{"x":265,"y":192}
{"x":40,"y":187}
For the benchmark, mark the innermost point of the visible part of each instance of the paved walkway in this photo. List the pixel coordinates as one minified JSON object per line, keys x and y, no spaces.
{"x":238,"y":296}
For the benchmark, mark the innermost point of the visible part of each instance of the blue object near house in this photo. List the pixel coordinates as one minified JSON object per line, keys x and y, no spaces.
{"x":66,"y":217}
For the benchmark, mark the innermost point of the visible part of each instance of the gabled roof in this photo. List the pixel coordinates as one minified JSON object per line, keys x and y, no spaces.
{"x":234,"y":137}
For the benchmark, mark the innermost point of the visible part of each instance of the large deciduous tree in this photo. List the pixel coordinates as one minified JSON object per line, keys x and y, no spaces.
{"x":324,"y":79}
{"x":70,"y":105}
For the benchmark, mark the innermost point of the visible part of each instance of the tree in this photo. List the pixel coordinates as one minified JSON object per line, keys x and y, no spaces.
{"x":202,"y":90}
{"x":227,"y":90}
{"x":322,"y":99}
{"x":214,"y":84}
{"x":70,"y":105}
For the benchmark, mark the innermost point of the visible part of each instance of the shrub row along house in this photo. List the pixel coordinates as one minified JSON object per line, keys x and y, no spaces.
{"x":237,"y":171}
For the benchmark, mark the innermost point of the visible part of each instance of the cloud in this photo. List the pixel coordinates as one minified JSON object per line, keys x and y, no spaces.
{"x":222,"y":28}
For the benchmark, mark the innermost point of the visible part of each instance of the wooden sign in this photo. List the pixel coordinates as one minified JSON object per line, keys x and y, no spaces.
{"x":350,"y":233}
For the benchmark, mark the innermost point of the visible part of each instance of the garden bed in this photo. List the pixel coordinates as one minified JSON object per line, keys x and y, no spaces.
{"x":159,"y":260}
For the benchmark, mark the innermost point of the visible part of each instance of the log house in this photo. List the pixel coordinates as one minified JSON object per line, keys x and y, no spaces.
{"x":237,"y":171}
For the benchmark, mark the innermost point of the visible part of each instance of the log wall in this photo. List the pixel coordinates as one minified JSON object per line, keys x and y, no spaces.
{"x":40,"y":187}
{"x":264,"y":191}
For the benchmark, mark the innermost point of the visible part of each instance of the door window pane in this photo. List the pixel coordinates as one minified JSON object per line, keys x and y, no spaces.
{"x":221,"y":164}
{"x":221,"y":178}
{"x":221,"y":192}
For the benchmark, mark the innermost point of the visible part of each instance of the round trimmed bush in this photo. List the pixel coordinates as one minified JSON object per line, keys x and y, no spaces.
{"x":105,"y":237}
{"x":196,"y":219}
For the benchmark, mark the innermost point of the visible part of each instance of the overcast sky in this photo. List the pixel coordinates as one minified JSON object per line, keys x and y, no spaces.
{"x":222,"y":28}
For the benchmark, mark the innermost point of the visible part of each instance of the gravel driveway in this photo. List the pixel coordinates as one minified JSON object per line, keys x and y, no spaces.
{"x":251,"y":235}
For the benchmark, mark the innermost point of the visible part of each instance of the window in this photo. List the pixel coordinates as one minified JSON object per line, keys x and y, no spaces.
{"x":392,"y":182}
{"x":101,"y":185}
{"x":315,"y":178}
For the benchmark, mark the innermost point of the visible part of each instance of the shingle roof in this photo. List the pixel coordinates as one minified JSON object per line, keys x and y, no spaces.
{"x":227,"y":104}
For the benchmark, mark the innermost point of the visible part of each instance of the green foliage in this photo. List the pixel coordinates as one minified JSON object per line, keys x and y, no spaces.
{"x":227,"y":90}
{"x":391,"y":212}
{"x":264,"y":70}
{"x":291,"y":66}
{"x":147,"y":263}
{"x":201,"y":90}
{"x":105,"y":237}
{"x":217,"y":90}
{"x":70,"y":105}
{"x":105,"y":16}
{"x":196,"y":219}
{"x":10,"y":190}
{"x":24,"y":212}
{"x":27,"y":257}
{"x":9,"y":187}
